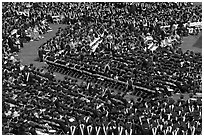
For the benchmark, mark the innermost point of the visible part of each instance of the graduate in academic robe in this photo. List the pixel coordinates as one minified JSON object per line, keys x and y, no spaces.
{"x":41,"y":52}
{"x":107,"y":68}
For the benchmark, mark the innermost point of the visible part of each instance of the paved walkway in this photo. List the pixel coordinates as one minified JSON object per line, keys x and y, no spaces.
{"x":193,"y":43}
{"x":29,"y":53}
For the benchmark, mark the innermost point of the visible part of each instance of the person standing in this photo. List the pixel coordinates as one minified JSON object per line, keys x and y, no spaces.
{"x":41,"y":52}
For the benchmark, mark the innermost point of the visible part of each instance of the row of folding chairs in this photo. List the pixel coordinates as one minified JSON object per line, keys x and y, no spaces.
{"x":102,"y":82}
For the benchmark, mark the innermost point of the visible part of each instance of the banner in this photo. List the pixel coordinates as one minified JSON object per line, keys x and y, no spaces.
{"x":96,"y":43}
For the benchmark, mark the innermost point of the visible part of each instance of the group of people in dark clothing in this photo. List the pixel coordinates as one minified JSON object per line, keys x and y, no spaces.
{"x":105,"y":45}
{"x":22,"y":22}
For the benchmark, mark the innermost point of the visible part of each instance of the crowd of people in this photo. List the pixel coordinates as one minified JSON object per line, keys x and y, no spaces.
{"x":116,"y":49}
{"x":110,"y":42}
{"x":34,"y":102}
{"x":22,"y":22}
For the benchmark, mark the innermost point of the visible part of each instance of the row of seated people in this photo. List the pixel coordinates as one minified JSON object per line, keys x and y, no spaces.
{"x":119,"y":36}
{"x":139,"y":12}
{"x":34,"y":102}
{"x":125,"y":63}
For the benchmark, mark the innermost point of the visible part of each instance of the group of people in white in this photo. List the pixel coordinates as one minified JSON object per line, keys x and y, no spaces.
{"x":174,"y":39}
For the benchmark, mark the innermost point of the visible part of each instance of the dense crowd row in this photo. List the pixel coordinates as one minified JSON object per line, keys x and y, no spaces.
{"x":21,"y":23}
{"x":108,"y":39}
{"x":115,"y":49}
{"x":34,"y":102}
{"x":141,"y":67}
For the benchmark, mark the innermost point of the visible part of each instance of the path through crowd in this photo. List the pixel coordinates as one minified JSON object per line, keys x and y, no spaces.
{"x":29,"y":53}
{"x":193,"y":43}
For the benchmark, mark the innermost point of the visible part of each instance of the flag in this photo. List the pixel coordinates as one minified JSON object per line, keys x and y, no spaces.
{"x":96,"y":42}
{"x":95,"y":46}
